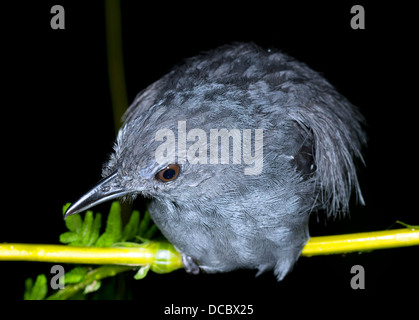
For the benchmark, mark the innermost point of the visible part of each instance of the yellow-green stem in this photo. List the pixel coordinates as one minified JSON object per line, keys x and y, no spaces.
{"x":358,"y":242}
{"x":160,"y":255}
{"x":164,"y":258}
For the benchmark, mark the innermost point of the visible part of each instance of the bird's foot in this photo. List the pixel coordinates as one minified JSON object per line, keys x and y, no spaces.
{"x":189,"y":265}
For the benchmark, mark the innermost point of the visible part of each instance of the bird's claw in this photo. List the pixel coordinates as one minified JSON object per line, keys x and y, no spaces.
{"x":189,"y":265}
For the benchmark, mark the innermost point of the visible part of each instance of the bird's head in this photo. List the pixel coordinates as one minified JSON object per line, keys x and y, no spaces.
{"x":146,"y":162}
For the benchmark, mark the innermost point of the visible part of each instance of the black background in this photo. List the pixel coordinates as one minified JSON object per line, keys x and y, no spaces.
{"x":58,"y":130}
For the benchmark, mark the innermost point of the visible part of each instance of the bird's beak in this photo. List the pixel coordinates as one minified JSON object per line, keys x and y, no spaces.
{"x":107,"y":189}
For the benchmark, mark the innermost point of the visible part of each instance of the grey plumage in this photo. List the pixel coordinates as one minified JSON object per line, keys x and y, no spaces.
{"x":214,"y":214}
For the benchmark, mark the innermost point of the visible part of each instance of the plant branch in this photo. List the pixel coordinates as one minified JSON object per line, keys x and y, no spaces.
{"x":162,"y":257}
{"x":359,"y":242}
{"x":115,"y":60}
{"x":92,"y":276}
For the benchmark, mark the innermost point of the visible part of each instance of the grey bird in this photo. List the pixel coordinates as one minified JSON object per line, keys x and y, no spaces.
{"x":216,"y":215}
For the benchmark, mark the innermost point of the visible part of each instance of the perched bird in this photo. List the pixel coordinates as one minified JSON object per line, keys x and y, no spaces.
{"x":236,"y":147}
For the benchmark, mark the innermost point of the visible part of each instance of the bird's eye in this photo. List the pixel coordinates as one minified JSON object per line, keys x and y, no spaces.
{"x":169,"y":173}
